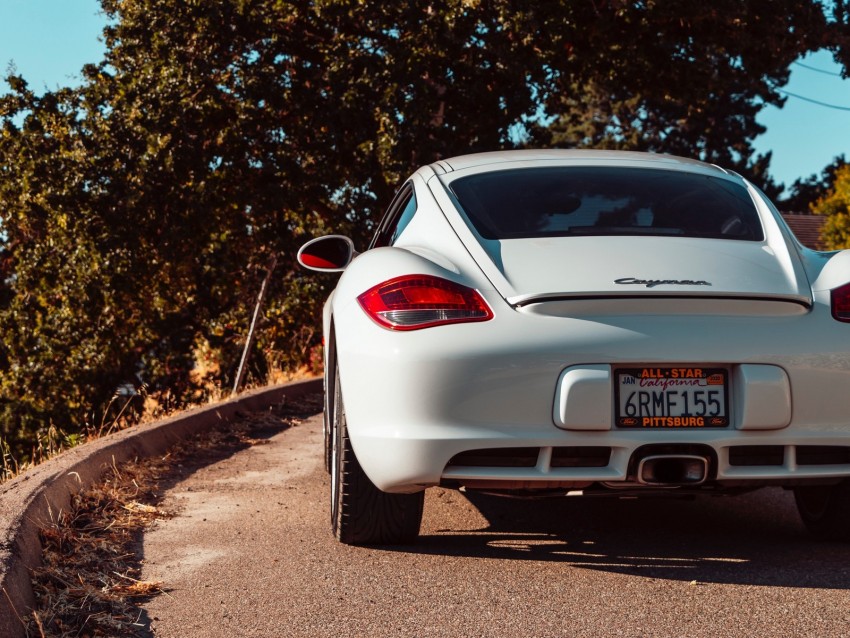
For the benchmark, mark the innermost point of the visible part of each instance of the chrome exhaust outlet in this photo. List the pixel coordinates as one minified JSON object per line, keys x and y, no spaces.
{"x":668,"y":470}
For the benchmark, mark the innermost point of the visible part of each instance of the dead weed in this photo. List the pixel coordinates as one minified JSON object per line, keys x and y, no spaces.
{"x":89,"y":583}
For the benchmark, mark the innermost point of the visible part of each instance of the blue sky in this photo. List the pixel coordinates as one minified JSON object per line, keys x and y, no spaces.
{"x":803,"y":136}
{"x":50,"y":40}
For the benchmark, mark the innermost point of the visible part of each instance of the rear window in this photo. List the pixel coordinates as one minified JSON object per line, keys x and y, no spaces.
{"x":592,"y":200}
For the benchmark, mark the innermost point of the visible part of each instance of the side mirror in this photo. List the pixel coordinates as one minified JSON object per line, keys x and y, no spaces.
{"x":331,"y":253}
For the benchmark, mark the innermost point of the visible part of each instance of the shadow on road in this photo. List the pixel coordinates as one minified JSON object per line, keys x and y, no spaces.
{"x":754,"y":539}
{"x":213,"y":447}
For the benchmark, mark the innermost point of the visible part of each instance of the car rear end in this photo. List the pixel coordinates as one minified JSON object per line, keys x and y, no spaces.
{"x":662,"y":334}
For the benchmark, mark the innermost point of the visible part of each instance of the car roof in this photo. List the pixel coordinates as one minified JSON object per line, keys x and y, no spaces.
{"x":494,"y":160}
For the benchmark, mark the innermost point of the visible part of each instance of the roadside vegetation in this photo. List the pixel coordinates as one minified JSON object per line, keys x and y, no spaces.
{"x":835,"y":205}
{"x":142,"y":208}
{"x":52,"y":441}
{"x":91,"y":581}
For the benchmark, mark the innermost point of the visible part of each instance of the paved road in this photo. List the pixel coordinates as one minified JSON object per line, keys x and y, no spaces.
{"x":250,"y":554}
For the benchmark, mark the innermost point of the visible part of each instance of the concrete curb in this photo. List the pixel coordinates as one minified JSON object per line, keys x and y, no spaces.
{"x":30,"y":501}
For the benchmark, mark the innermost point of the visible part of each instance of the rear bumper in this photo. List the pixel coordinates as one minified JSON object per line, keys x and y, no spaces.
{"x":738,"y":458}
{"x":415,"y":401}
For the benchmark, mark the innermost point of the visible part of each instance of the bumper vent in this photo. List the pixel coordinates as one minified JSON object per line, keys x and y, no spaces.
{"x":581,"y":456}
{"x":499,"y":457}
{"x":823,"y":455}
{"x":756,"y":455}
{"x":774,"y":455}
{"x":589,"y":456}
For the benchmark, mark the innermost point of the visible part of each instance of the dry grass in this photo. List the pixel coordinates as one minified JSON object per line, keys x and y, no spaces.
{"x":54,"y":441}
{"x":288,"y":376}
{"x":89,"y":581}
{"x":89,"y":584}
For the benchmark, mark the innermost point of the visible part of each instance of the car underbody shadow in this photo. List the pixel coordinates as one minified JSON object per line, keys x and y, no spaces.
{"x":752,"y":539}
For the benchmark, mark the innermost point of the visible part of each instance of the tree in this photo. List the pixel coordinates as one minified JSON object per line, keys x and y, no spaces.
{"x":139,"y":212}
{"x":805,"y":192}
{"x":680,"y":77}
{"x":836,"y":206}
{"x":61,"y":321}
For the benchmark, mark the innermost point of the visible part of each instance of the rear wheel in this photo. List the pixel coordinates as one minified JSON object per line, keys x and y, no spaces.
{"x":361,"y":514}
{"x":825,"y":510}
{"x":327,"y":430}
{"x":330,"y":393}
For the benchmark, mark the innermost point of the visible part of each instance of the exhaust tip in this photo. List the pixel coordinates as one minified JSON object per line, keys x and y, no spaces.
{"x":669,"y":470}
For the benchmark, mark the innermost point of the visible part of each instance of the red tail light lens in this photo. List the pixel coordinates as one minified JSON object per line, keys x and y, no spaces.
{"x":841,"y":303}
{"x":413,"y":302}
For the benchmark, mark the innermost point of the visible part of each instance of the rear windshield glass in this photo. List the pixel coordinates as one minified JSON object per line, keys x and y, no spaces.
{"x":593,"y":200}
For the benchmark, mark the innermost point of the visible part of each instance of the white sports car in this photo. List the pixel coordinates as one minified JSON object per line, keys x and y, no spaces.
{"x":582,"y":322}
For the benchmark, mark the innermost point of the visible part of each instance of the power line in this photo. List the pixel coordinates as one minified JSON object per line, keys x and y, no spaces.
{"x":808,"y":99}
{"x":824,"y":71}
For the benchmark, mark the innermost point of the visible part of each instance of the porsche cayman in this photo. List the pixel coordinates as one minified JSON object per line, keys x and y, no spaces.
{"x":582,"y":322}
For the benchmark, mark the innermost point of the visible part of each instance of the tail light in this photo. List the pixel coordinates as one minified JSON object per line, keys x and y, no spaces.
{"x":841,"y":303}
{"x":422,"y":301}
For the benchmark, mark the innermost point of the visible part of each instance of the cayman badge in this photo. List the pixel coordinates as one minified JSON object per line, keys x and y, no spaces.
{"x":651,"y":283}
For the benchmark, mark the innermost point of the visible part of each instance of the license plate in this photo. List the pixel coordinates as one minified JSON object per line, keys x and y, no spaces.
{"x":672,"y":397}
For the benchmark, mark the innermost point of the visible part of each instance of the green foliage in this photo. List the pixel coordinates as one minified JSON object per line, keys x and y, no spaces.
{"x":139,"y":212}
{"x":835,"y":204}
{"x":680,"y":77}
{"x":805,"y":192}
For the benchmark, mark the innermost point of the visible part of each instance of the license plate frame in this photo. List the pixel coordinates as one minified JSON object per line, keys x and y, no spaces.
{"x":668,"y":396}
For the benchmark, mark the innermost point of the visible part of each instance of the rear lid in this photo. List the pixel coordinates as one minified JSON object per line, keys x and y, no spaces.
{"x":559,"y":267}
{"x":548,"y":231}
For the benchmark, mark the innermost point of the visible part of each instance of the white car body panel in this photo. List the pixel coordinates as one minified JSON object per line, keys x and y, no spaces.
{"x":513,"y":265}
{"x":731,"y":269}
{"x":437,"y":403}
{"x":539,"y":375}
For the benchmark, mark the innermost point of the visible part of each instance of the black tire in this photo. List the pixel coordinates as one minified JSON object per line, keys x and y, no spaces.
{"x":361,"y":514}
{"x":327,"y":429}
{"x":825,"y":510}
{"x":330,"y":393}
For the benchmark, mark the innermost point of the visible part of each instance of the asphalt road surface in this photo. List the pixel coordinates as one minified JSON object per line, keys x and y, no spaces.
{"x":250,"y":553}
